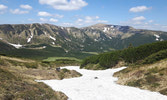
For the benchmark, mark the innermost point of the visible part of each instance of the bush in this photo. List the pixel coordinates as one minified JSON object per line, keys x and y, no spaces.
{"x":155,"y":57}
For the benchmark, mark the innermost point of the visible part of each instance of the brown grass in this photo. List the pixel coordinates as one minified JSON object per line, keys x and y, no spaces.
{"x":152,"y":76}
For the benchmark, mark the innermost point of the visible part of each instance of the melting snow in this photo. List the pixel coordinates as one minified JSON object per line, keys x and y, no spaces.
{"x":29,"y":39}
{"x":99,"y":85}
{"x":16,"y":45}
{"x":62,"y":28}
{"x":44,"y":47}
{"x":53,"y":43}
{"x":105,"y":29}
{"x":52,"y":38}
{"x":110,"y":37}
{"x":157,"y":37}
{"x":95,"y":40}
{"x":45,"y":33}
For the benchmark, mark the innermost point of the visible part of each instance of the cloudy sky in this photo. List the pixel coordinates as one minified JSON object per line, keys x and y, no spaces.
{"x":144,"y":14}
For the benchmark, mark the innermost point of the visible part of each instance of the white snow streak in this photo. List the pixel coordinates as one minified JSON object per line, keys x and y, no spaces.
{"x":157,"y":37}
{"x":16,"y":45}
{"x":44,"y":47}
{"x":101,"y":88}
{"x":52,"y":38}
{"x":53,"y":43}
{"x":29,"y":39}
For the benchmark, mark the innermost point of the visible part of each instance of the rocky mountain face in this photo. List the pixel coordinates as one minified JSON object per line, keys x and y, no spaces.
{"x":99,"y":37}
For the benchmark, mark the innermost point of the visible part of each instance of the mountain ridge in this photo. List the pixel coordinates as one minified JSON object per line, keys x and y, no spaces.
{"x":98,"y":37}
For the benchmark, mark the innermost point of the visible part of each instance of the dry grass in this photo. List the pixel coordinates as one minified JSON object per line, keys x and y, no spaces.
{"x":152,"y":76}
{"x":17,"y":79}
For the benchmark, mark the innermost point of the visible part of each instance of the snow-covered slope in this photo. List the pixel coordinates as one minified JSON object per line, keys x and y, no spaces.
{"x":99,"y":85}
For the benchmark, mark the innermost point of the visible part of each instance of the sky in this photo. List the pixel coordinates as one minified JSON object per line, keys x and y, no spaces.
{"x":141,"y":14}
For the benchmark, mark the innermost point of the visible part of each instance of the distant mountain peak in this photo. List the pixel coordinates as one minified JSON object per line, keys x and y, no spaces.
{"x":99,"y":25}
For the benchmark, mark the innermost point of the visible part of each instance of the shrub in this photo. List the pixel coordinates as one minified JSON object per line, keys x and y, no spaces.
{"x":155,"y":57}
{"x":129,"y":55}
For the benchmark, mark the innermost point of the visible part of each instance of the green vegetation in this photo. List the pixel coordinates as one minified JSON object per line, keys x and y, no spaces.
{"x":155,"y":57}
{"x":62,"y":61}
{"x":155,"y":52}
{"x":52,"y":59}
{"x":39,"y":54}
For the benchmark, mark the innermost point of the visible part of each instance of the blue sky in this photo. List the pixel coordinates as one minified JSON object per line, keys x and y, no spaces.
{"x":144,"y":14}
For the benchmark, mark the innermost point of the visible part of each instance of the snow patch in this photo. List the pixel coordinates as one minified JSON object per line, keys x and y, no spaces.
{"x":44,"y":47}
{"x":45,"y":33}
{"x":105,"y":29}
{"x":62,"y":28}
{"x":95,"y":40}
{"x":0,"y":38}
{"x":99,"y":85}
{"x":110,"y":37}
{"x":16,"y":45}
{"x":52,"y":38}
{"x":29,"y":39}
{"x":112,"y":26}
{"x":157,"y":37}
{"x":53,"y":43}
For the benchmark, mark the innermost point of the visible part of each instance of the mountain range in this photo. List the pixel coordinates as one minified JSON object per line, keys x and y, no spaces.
{"x":95,"y":38}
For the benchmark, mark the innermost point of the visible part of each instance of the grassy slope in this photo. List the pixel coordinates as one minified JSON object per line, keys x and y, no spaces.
{"x":14,"y":86}
{"x":39,"y":54}
{"x":17,"y":79}
{"x":148,"y":76}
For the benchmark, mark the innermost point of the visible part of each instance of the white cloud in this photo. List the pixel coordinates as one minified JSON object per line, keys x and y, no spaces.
{"x":102,"y":21}
{"x":44,"y":14}
{"x":30,"y":19}
{"x":67,"y":24}
{"x":18,"y":11}
{"x":139,"y":9}
{"x":65,"y":4}
{"x":89,"y":20}
{"x":43,"y":20}
{"x":150,"y":21}
{"x":145,"y":24}
{"x":58,"y":16}
{"x":53,"y":20}
{"x":28,"y":7}
{"x":3,"y":7}
{"x":140,"y":18}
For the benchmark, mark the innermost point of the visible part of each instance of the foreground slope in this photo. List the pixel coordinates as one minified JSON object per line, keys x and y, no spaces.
{"x":17,"y":79}
{"x":151,"y":76}
{"x":147,"y":65}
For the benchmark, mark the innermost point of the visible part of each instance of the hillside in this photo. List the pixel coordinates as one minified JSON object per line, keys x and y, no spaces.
{"x":36,"y":39}
{"x":129,"y":55}
{"x":147,"y":65}
{"x":17,"y":79}
{"x":150,"y":76}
